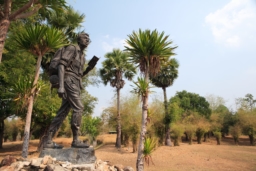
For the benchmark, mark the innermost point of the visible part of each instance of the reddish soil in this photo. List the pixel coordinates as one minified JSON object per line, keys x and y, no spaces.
{"x":199,"y":157}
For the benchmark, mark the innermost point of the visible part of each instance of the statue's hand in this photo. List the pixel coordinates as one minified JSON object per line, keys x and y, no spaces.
{"x":61,"y":92}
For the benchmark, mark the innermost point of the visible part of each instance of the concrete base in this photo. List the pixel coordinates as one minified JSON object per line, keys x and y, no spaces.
{"x":72,"y":155}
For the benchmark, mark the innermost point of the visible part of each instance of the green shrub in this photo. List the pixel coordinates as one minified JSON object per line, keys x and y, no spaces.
{"x":236,"y":132}
{"x":217,"y":135}
{"x":177,"y":130}
{"x":149,"y":146}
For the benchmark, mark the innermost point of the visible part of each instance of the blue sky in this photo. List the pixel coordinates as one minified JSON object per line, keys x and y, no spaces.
{"x":216,"y":42}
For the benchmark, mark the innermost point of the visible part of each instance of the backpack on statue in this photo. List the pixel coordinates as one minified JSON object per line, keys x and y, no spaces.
{"x":53,"y":67}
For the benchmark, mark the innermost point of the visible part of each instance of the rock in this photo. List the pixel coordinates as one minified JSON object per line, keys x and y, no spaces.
{"x":72,"y":155}
{"x":128,"y":168}
{"x":85,"y":167}
{"x":112,"y":168}
{"x":7,"y":168}
{"x":36,"y":162}
{"x":119,"y":167}
{"x":47,"y":160}
{"x":48,"y":168}
{"x":7,"y":161}
{"x":51,"y":164}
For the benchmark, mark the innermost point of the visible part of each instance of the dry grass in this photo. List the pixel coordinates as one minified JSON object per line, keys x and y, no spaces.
{"x":204,"y":157}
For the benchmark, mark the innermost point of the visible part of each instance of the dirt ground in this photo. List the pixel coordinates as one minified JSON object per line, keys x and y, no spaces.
{"x":198,"y":157}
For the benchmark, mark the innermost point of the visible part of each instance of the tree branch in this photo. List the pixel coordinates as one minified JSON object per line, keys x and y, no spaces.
{"x":1,"y":12}
{"x":27,"y":14}
{"x":22,"y":9}
{"x":7,"y":7}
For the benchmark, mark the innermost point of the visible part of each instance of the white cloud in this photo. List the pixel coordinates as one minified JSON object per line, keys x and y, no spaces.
{"x":112,"y":43}
{"x":235,"y":24}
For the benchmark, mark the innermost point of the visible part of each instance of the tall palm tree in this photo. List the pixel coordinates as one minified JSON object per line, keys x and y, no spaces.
{"x":114,"y":68}
{"x":148,"y":49}
{"x":38,"y":40}
{"x":165,"y":78}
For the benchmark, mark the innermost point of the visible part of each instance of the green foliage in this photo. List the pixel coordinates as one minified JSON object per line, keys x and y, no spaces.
{"x":247,"y":103}
{"x":149,"y":146}
{"x":191,"y":102}
{"x":203,"y":126}
{"x":141,"y":88}
{"x":236,"y":132}
{"x":115,"y":67}
{"x":167,"y":74}
{"x":190,"y":130}
{"x":177,"y":130}
{"x":13,"y":127}
{"x":174,"y":113}
{"x":148,"y":49}
{"x":40,"y":39}
{"x":134,"y":131}
{"x":68,"y":21}
{"x":218,"y":136}
{"x":247,"y":120}
{"x":89,"y":102}
{"x":91,"y":126}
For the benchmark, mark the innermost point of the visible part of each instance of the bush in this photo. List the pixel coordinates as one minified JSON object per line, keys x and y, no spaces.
{"x":190,"y":132}
{"x":177,"y":130}
{"x":236,"y":132}
{"x":149,"y":146}
{"x":218,"y":136}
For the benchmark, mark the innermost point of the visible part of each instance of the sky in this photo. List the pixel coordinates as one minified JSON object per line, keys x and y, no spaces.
{"x":216,"y":42}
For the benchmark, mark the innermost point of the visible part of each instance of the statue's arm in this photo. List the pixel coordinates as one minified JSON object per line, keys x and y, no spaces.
{"x":66,"y":57}
{"x":61,"y":72}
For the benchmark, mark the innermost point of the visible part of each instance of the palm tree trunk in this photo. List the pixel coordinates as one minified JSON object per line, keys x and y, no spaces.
{"x":30,"y":108}
{"x":4,"y":26}
{"x":118,"y":140}
{"x":140,"y":161}
{"x":167,"y":126}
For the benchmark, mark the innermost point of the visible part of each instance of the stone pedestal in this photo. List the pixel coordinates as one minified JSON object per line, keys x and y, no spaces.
{"x":72,"y":155}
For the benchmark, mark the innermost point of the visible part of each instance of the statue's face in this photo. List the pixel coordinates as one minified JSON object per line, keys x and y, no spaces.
{"x":84,"y":40}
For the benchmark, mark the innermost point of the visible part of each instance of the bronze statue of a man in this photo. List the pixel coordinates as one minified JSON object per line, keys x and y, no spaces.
{"x":70,"y":73}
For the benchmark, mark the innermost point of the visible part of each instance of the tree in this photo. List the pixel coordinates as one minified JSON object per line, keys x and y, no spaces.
{"x":165,"y":78}
{"x":247,"y":103}
{"x":12,"y":10}
{"x":190,"y":103}
{"x":148,"y":49}
{"x":14,"y":66}
{"x":91,"y":126}
{"x":68,"y":21}
{"x":38,"y":40}
{"x":129,"y":109}
{"x":215,"y":102}
{"x":115,"y":67}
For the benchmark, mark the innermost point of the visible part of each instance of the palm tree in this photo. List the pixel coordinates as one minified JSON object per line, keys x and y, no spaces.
{"x":38,"y":40}
{"x":114,"y":68}
{"x":165,"y":78}
{"x":148,"y":49}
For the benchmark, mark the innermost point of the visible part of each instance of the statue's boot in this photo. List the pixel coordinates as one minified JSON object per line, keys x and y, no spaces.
{"x":79,"y":144}
{"x":75,"y":125}
{"x":51,"y":144}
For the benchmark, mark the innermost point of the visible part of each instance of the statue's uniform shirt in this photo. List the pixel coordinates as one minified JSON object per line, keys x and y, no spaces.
{"x":72,"y":85}
{"x":74,"y":70}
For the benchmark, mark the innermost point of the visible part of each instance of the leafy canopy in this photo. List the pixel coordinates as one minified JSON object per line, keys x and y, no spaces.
{"x":148,"y":49}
